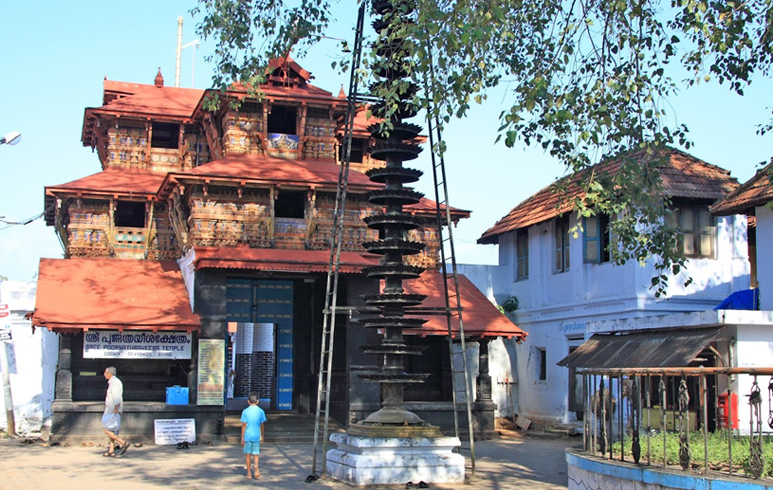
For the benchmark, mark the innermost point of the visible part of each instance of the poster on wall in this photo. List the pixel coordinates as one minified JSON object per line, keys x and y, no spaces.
{"x":211,"y":385}
{"x":110,"y":344}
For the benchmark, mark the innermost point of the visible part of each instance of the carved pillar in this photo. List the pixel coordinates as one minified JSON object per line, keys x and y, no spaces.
{"x":483,"y":382}
{"x":63,"y":389}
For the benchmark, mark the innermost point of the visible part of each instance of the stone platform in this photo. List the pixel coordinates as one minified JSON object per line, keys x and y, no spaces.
{"x":362,"y":460}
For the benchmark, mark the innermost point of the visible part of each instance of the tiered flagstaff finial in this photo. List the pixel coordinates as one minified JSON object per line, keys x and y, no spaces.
{"x":392,"y":68}
{"x":393,"y":445}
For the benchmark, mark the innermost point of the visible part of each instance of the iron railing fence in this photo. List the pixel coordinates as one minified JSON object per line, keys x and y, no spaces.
{"x":662,"y":417}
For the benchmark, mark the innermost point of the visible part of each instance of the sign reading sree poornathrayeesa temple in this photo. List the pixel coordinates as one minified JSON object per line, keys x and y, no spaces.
{"x":110,"y":344}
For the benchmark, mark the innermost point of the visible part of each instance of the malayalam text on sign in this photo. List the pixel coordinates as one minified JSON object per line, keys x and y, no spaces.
{"x":109,"y":344}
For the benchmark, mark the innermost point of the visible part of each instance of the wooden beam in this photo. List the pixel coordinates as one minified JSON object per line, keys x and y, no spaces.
{"x":149,"y":228}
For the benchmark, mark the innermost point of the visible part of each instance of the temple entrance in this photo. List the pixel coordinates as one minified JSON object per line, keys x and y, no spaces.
{"x":254,"y":361}
{"x":262,"y":342}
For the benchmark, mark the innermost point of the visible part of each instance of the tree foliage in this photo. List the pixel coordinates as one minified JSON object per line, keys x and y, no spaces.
{"x":586,"y":79}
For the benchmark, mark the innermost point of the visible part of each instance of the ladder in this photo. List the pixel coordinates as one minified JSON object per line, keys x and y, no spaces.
{"x":331,"y":288}
{"x":453,"y":301}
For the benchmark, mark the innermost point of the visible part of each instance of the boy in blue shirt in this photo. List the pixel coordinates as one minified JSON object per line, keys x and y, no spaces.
{"x":253,"y":419}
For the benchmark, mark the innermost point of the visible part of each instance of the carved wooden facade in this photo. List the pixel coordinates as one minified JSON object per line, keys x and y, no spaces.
{"x":293,"y":120}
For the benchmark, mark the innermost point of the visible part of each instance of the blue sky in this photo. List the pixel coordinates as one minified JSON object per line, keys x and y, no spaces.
{"x":56,"y":55}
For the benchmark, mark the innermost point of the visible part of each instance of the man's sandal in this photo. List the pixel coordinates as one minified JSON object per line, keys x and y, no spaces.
{"x":109,"y":455}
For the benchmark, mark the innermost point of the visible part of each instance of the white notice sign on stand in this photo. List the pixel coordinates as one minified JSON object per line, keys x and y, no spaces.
{"x":174,"y":431}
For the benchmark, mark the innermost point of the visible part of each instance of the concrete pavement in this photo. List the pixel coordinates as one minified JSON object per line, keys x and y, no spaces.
{"x":510,"y":462}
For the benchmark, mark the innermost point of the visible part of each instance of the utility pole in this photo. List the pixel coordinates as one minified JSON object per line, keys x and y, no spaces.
{"x":5,"y":337}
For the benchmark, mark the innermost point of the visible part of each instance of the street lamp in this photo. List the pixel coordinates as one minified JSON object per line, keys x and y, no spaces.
{"x":344,"y":43}
{"x":11,"y":138}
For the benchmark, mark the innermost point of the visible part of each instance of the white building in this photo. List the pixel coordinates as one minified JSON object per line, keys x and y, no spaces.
{"x":33,"y":356}
{"x":563,"y":281}
{"x":753,"y":199}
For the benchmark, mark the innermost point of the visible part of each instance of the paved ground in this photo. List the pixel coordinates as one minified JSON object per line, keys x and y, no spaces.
{"x":511,"y":462}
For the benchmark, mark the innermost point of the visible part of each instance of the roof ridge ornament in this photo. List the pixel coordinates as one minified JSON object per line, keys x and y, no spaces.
{"x":159,"y":80}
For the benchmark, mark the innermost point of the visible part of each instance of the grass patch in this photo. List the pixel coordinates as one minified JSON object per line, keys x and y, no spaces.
{"x":718,"y":443}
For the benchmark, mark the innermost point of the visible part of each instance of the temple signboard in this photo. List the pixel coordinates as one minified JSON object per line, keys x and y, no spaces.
{"x":211,"y":382}
{"x":110,"y":344}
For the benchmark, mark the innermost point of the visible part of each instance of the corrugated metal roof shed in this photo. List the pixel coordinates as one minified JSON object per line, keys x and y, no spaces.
{"x":642,"y":349}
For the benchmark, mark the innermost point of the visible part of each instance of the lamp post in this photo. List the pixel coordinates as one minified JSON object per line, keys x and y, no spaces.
{"x":344,"y":43}
{"x":11,"y":138}
{"x":5,"y":337}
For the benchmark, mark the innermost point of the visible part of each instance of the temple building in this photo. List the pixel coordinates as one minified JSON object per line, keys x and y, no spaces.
{"x":197,"y":258}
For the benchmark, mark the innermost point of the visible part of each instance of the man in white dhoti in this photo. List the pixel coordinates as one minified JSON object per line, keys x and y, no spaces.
{"x":111,"y":419}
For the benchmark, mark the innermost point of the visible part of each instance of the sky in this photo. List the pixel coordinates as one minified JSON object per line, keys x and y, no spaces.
{"x":56,"y":55}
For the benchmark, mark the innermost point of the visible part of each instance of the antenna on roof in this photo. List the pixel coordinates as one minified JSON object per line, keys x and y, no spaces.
{"x":180,"y":48}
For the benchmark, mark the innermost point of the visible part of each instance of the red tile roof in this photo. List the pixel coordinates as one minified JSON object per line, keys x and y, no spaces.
{"x":175,"y":102}
{"x":428,"y":207}
{"x":84,"y":294}
{"x":361,"y":123}
{"x":682,"y":176}
{"x":290,"y":64}
{"x":137,"y":99}
{"x":481,"y":317}
{"x":271,"y":259}
{"x":268,"y":169}
{"x":756,"y":192}
{"x":272,"y":90}
{"x":113,"y":181}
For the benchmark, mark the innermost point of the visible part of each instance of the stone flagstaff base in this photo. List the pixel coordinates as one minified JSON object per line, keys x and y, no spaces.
{"x":364,"y":460}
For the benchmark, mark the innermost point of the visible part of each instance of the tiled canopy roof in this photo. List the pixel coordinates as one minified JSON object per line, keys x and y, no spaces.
{"x":85,"y":293}
{"x":481,"y":318}
{"x":267,"y":169}
{"x":242,"y":168}
{"x":121,"y":181}
{"x":140,"y":98}
{"x":133,"y":99}
{"x":683,"y":176}
{"x":111,"y":182}
{"x":756,"y":192}
{"x":271,"y":259}
{"x":428,"y":207}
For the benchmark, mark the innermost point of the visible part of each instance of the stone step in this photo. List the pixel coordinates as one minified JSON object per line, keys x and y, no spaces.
{"x":281,"y":427}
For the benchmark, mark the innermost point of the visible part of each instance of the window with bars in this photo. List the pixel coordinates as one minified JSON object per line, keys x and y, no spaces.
{"x":542,"y":367}
{"x":522,"y":255}
{"x":562,"y":244}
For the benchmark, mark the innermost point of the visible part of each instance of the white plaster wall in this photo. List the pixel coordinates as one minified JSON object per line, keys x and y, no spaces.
{"x":483,"y":277}
{"x":712,"y":279}
{"x":35,"y":356}
{"x":754,"y":348}
{"x":503,"y":370}
{"x":765,"y":256}
{"x":554,"y":308}
{"x":188,"y":272}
